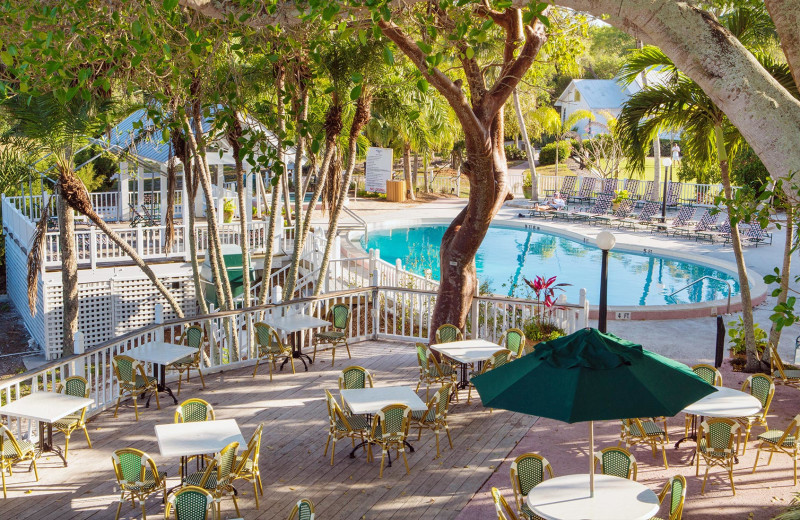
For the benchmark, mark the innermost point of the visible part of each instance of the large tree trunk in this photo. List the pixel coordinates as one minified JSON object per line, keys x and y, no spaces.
{"x":425,"y":172}
{"x":244,"y":212}
{"x":774,"y":331}
{"x":407,"y":170}
{"x":528,"y":149}
{"x":301,"y":115}
{"x":69,"y":275}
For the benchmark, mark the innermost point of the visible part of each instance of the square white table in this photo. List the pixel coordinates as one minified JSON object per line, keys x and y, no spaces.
{"x":370,"y":401}
{"x":46,"y":408}
{"x":292,"y":325}
{"x":467,"y":352}
{"x":197,"y":438}
{"x":161,"y":354}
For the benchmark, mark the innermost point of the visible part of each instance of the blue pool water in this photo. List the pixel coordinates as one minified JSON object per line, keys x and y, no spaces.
{"x":509,"y":254}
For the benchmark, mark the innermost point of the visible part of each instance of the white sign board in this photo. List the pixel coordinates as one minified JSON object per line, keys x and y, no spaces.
{"x":379,"y":169}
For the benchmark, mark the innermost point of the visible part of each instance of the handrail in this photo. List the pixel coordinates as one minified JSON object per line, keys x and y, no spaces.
{"x":358,"y":219}
{"x":726,"y":282}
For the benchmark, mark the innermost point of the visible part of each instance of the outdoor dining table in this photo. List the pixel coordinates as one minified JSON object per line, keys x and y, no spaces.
{"x":615,"y":498}
{"x":161,"y":354}
{"x":369,"y":401}
{"x":196,"y":438}
{"x":466,"y":353}
{"x":46,"y":408}
{"x":292,"y":325}
{"x":724,"y":403}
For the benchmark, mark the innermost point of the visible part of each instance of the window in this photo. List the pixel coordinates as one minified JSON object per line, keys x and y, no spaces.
{"x":577,"y":95}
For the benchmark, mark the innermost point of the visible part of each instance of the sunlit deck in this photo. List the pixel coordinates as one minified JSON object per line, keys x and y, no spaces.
{"x":293,"y":411}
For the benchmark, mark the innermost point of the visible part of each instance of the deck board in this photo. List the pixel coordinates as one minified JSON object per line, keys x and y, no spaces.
{"x":292,"y":408}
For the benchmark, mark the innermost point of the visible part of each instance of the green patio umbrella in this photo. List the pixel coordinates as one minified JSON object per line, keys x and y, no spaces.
{"x":591,"y":376}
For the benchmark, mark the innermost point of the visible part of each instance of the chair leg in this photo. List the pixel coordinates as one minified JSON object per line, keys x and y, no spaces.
{"x":144,"y":509}
{"x":201,"y":378}
{"x":314,"y":355}
{"x":3,"y":475}
{"x":158,"y":403}
{"x":664,"y":454}
{"x":117,"y":407}
{"x":746,"y":438}
{"x":333,"y":355}
{"x":271,"y":367}
{"x":291,"y":360}
{"x":119,"y":505}
{"x":449,"y":439}
{"x":255,"y":369}
{"x":136,"y":407}
{"x":383,"y":457}
{"x":333,"y":449}
{"x":348,"y":350}
{"x":436,"y":432}
{"x":180,"y":377}
{"x":255,"y":491}
{"x":236,"y":504}
{"x":703,"y":487}
{"x":730,"y":475}
{"x":403,"y":452}
{"x":418,"y":383}
{"x":260,"y":485}
{"x":66,"y":444}
{"x":327,"y":442}
{"x":755,"y":465}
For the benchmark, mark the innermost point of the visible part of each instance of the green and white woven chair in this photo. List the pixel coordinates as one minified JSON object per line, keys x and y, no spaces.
{"x":717,"y":445}
{"x":218,"y":476}
{"x":431,"y":371}
{"x":781,"y":441}
{"x":528,"y":471}
{"x":501,"y":507}
{"x":355,"y":377}
{"x":194,"y":410}
{"x":344,"y":426}
{"x":645,"y":431}
{"x":498,"y":359}
{"x":249,"y":469}
{"x":302,"y":510}
{"x":339,"y":316}
{"x":448,"y":333}
{"x":676,"y":487}
{"x":513,"y":340}
{"x":13,"y":451}
{"x":193,"y":337}
{"x":79,"y":387}
{"x":270,"y":348}
{"x":190,"y":503}
{"x":435,"y":417}
{"x":782,"y":375}
{"x":390,"y":430}
{"x":762,"y":387}
{"x":617,"y":462}
{"x":137,"y":476}
{"x":132,"y":380}
{"x":710,"y":375}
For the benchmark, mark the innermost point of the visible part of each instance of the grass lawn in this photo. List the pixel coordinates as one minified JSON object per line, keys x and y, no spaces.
{"x":648,"y":170}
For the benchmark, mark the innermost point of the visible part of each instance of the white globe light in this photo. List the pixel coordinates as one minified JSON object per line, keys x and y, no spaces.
{"x":605,"y":240}
{"x":666,"y":161}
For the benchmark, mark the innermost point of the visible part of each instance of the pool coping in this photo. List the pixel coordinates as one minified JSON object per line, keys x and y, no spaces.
{"x":707,"y":309}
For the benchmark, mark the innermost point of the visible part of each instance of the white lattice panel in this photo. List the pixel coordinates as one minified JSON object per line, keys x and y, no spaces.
{"x":134,"y":301}
{"x":17,"y":288}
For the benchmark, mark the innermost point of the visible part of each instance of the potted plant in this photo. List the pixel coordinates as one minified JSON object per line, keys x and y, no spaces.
{"x":540,"y":328}
{"x":619,"y":196}
{"x":227,"y":211}
{"x":527,"y":185}
{"x":738,"y":347}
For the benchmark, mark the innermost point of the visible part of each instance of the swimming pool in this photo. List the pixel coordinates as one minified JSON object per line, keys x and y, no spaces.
{"x":508,"y":254}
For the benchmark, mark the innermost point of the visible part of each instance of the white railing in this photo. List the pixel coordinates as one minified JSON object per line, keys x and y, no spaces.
{"x":16,"y":223}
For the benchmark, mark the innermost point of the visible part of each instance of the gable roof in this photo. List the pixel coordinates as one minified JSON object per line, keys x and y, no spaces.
{"x":609,"y":93}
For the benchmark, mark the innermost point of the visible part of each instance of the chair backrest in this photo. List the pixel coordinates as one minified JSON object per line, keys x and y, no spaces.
{"x":610,"y":185}
{"x":704,"y":223}
{"x":7,"y":439}
{"x":133,"y":466}
{"x":762,"y":387}
{"x":684,"y":214}
{"x":422,"y":357}
{"x":267,"y":337}
{"x":568,"y":186}
{"x":708,"y":373}
{"x":625,"y":208}
{"x":255,"y":442}
{"x":225,"y":462}
{"x":617,"y":462}
{"x":602,"y":204}
{"x":501,"y":507}
{"x":498,"y":359}
{"x":648,"y":210}
{"x":724,"y":227}
{"x":650,"y":191}
{"x":441,"y":401}
{"x":392,"y":420}
{"x":125,"y":367}
{"x":335,"y":413}
{"x":632,"y":187}
{"x":448,"y":333}
{"x":720,"y":436}
{"x":676,"y":487}
{"x":755,"y":231}
{"x":355,"y":377}
{"x":672,"y":193}
{"x":194,"y":410}
{"x":303,"y":510}
{"x":190,"y":503}
{"x":193,"y":336}
{"x":513,"y":340}
{"x":528,"y":471}
{"x":339,"y":316}
{"x":587,"y":187}
{"x":74,"y":385}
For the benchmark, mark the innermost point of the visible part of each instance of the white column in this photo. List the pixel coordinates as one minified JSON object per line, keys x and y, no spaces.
{"x":248,"y":197}
{"x":140,"y":187}
{"x":184,"y":206}
{"x":162,"y":185}
{"x":124,"y":191}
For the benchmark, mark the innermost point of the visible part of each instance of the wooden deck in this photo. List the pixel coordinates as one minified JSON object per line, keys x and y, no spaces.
{"x":293,"y":411}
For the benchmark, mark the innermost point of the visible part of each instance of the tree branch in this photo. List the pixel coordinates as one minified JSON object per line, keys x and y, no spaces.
{"x":786,"y":16}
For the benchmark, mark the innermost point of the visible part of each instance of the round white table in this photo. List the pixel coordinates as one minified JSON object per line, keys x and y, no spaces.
{"x":567,"y":498}
{"x":725,"y":402}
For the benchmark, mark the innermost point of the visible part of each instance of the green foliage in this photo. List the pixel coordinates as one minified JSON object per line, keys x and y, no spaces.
{"x":548,"y":154}
{"x":747,"y":169}
{"x":228,"y":206}
{"x":620,"y":195}
{"x":736,"y":337}
{"x":91,"y":178}
{"x":689,"y":170}
{"x":103,"y":168}
{"x":513,"y":153}
{"x":537,"y":330}
{"x":606,"y":51}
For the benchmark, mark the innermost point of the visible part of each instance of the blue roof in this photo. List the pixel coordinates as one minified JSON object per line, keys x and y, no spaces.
{"x":602,"y":93}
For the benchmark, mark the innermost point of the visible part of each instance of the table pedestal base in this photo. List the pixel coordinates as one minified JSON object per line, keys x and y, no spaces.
{"x":389,"y":452}
{"x":46,"y":444}
{"x":296,"y":352}
{"x":160,"y":372}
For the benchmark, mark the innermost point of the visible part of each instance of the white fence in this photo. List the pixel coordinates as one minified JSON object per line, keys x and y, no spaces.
{"x":377,"y":313}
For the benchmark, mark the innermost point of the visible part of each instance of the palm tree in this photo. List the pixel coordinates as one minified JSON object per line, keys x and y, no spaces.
{"x":547,"y":120}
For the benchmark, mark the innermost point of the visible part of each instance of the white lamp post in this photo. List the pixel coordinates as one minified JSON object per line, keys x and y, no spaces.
{"x":605,"y":241}
{"x":667,"y":162}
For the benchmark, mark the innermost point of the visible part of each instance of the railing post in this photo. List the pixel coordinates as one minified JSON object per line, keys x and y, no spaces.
{"x":139,"y":239}
{"x":277,"y":295}
{"x":474,"y":312}
{"x":76,"y":366}
{"x":159,"y":318}
{"x":93,"y":247}
{"x":186,"y":250}
{"x":375,"y":300}
{"x":584,"y":302}
{"x":398,"y":268}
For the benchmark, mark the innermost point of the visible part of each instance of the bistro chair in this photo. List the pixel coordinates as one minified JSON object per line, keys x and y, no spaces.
{"x":435,"y":417}
{"x":339,"y":316}
{"x":513,"y":340}
{"x":190,"y":503}
{"x":635,"y":431}
{"x":194,"y":410}
{"x":343,"y":426}
{"x":270,"y":348}
{"x":79,"y":387}
{"x":218,"y":476}
{"x":193,"y":337}
{"x":248,"y":463}
{"x":302,"y":510}
{"x":781,"y":441}
{"x":431,"y":371}
{"x":355,"y":377}
{"x":390,"y":430}
{"x":137,"y":476}
{"x":448,"y":333}
{"x":617,"y":462}
{"x":762,"y":387}
{"x":782,"y":375}
{"x":13,"y":451}
{"x":498,"y":359}
{"x":710,"y":375}
{"x":501,"y":507}
{"x":715,"y":445}
{"x":132,"y":380}
{"x":527,"y":472}
{"x":676,"y":487}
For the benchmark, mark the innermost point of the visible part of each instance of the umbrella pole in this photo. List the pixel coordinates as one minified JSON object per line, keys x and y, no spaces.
{"x":591,"y":459}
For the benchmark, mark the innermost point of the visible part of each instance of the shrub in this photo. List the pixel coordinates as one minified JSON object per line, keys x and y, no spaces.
{"x":513,"y":153}
{"x":548,"y":153}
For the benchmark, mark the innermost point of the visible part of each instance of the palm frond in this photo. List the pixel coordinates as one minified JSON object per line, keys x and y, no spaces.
{"x":644,"y":60}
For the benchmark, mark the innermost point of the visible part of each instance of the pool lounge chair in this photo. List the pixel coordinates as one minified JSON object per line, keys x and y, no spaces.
{"x":644,"y":218}
{"x":632,"y":187}
{"x":622,"y":212}
{"x":673,"y":192}
{"x":705,"y":223}
{"x":585,"y":191}
{"x":680,"y":220}
{"x":600,"y":207}
{"x":755,"y":234}
{"x":650,"y":192}
{"x":567,"y":189}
